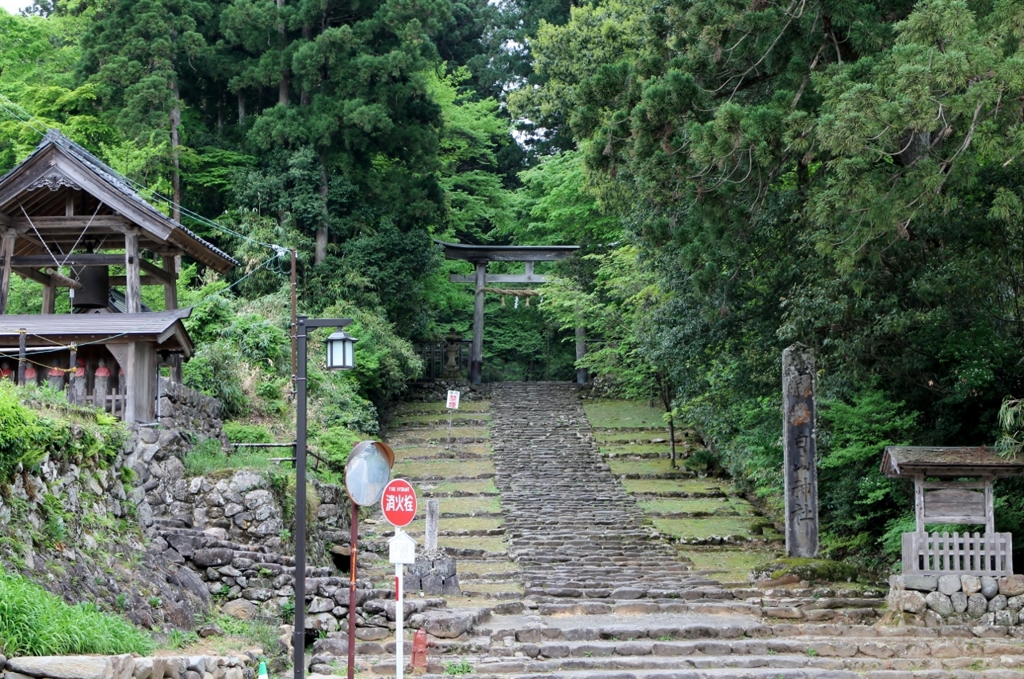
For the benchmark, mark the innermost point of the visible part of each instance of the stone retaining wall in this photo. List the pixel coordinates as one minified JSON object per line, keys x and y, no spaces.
{"x":126,"y":667}
{"x":99,"y":514}
{"x":189,"y":410}
{"x":957,"y":599}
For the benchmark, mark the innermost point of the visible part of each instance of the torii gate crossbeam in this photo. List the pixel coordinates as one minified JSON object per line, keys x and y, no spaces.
{"x":480,"y":255}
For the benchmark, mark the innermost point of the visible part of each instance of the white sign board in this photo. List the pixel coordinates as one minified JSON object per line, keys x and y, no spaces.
{"x":453,"y":399}
{"x":402,"y":549}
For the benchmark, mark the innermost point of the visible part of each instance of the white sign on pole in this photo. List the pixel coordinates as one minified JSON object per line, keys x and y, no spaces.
{"x":453,"y":399}
{"x":402,"y":550}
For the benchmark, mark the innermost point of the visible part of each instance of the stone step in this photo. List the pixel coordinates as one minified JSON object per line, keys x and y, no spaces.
{"x":873,"y":648}
{"x":767,"y":672}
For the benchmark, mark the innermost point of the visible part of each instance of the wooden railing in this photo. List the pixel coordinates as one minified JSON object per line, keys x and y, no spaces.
{"x":112,"y":403}
{"x":964,"y":554}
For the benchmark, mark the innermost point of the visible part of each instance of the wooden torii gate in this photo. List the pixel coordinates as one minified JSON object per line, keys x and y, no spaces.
{"x":480,"y":256}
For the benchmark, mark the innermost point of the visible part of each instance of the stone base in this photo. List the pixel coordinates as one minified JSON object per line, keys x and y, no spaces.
{"x":433,"y":574}
{"x":957,"y":599}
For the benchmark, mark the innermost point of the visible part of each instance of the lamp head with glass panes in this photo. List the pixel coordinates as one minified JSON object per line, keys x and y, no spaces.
{"x":341,"y":351}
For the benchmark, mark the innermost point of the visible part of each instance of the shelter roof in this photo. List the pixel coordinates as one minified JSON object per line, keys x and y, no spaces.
{"x":507,"y":253}
{"x":908,"y":461}
{"x":163,"y":328}
{"x":71,"y":175}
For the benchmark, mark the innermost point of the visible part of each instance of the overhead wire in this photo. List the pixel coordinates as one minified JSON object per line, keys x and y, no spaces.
{"x":140,"y":187}
{"x":58,"y":346}
{"x":278,"y":250}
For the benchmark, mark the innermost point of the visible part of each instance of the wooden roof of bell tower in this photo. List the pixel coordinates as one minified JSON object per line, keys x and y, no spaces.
{"x":62,"y":198}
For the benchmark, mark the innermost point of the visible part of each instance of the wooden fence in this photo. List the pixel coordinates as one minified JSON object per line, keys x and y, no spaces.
{"x":964,"y":554}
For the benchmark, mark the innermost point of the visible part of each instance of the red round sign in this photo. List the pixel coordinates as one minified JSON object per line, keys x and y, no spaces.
{"x":399,"y":503}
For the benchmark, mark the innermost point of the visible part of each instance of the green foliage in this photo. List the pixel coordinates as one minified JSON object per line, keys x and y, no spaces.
{"x":461,"y":667}
{"x":178,"y":639}
{"x":47,"y":426}
{"x":215,"y":370}
{"x":20,"y":430}
{"x":35,"y":622}
{"x":1011,"y":421}
{"x":247,"y":433}
{"x":207,"y":458}
{"x":334,"y":445}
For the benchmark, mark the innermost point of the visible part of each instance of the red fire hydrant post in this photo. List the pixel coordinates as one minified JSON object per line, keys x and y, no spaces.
{"x":419,"y":652}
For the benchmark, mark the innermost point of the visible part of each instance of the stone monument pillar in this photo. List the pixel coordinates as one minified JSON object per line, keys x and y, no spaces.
{"x":451,"y":366}
{"x":435,"y":571}
{"x":799,"y":436}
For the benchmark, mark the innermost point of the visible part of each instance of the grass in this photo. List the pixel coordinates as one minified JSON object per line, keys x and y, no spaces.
{"x":438,"y":449}
{"x":439,"y":419}
{"x":647,"y":466}
{"x":469,"y":505}
{"x":414,"y":469}
{"x":736,"y":562}
{"x":675,"y":486}
{"x":439,"y":433}
{"x":613,"y":450}
{"x":468,"y":523}
{"x":492,"y":544}
{"x":438,"y":407}
{"x":611,"y":414}
{"x":702,"y":528}
{"x":478,"y":486}
{"x":487,"y":567}
{"x":688,"y":506}
{"x":207,"y":458}
{"x":35,"y":622}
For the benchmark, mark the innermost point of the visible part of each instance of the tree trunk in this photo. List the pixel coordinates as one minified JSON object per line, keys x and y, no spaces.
{"x":672,"y":438}
{"x":285,"y":82}
{"x":175,"y":153}
{"x":307,"y":32}
{"x":241,"y":107}
{"x":321,"y":233}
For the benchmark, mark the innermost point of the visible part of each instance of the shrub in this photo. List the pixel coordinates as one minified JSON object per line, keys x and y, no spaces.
{"x":333,"y":445}
{"x":215,"y":371}
{"x":19,"y":430}
{"x":207,"y":458}
{"x":47,"y":425}
{"x":35,"y":622}
{"x":247,"y":433}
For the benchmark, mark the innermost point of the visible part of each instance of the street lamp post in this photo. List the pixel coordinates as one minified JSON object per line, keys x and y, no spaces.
{"x":340,"y":356}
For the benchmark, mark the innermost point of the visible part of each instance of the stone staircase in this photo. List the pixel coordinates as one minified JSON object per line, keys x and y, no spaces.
{"x":605,"y":597}
{"x":573,"y":529}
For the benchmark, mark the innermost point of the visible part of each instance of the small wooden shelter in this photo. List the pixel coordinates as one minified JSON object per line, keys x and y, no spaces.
{"x":953,"y":486}
{"x":65,"y":219}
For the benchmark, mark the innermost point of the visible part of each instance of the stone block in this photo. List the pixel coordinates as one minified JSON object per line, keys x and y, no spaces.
{"x":959,"y":601}
{"x":921,"y":583}
{"x":205,"y":558}
{"x":144,"y":668}
{"x":977,"y":604}
{"x":240,"y":608}
{"x":940,"y":603}
{"x":63,"y":667}
{"x":913,"y":601}
{"x":989,"y":586}
{"x":970,"y":584}
{"x":998,"y":603}
{"x":1011,"y":585}
{"x":948,"y":584}
{"x":1005,"y":618}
